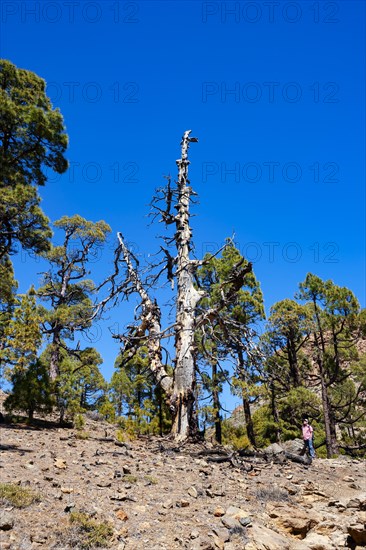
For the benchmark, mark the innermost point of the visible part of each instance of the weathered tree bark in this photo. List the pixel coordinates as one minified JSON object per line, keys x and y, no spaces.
{"x":276,"y":416}
{"x":180,"y":389}
{"x":55,"y":356}
{"x":216,"y":405}
{"x":248,"y":421}
{"x":186,"y":302}
{"x":293,"y":363}
{"x":329,"y":423}
{"x":246,"y":404}
{"x":149,"y":331}
{"x":330,"y":434}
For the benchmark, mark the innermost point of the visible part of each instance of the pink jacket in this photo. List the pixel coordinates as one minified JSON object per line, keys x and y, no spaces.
{"x":307,"y":432}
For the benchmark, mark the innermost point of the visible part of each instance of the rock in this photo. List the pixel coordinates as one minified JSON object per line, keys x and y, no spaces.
{"x":219,"y":493}
{"x":121,"y":515}
{"x":70,"y":507}
{"x":358,"y":533}
{"x":219,"y":512}
{"x":339,"y":539}
{"x":236,"y":513}
{"x":67,"y":490}
{"x":38,"y":538}
{"x":295,"y":521}
{"x":104,"y":483}
{"x":292,"y":490}
{"x":194,"y":534}
{"x":6,"y":521}
{"x":60,"y":463}
{"x":273,"y":449}
{"x":295,"y":446}
{"x":183,"y":503}
{"x":230,"y":522}
{"x":354,"y":503}
{"x":222,"y":533}
{"x":262,"y":538}
{"x":168,"y":504}
{"x":314,"y":541}
{"x":192,"y":491}
{"x":348,"y":479}
{"x":220,"y":544}
{"x":202,"y":543}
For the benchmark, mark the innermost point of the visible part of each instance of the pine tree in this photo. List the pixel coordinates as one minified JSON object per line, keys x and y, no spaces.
{"x":65,"y":286}
{"x":24,"y":336}
{"x":31,"y":390}
{"x":231,"y":332}
{"x":8,"y":287}
{"x":80,"y":385}
{"x":32,"y":138}
{"x":335,"y":312}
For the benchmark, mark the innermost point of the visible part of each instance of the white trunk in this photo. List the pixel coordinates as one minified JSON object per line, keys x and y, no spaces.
{"x":187,"y":299}
{"x":149,"y":331}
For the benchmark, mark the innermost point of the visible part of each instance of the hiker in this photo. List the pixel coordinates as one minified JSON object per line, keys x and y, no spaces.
{"x":307,"y":435}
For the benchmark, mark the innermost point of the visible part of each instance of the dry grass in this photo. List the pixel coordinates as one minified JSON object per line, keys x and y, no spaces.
{"x":272,"y":494}
{"x":17,"y":496}
{"x":86,"y":533}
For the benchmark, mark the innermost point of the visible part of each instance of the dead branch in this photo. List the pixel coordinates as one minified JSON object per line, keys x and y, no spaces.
{"x":150,"y":324}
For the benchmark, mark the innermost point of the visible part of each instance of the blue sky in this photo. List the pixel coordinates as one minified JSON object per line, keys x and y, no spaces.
{"x":273,"y":90}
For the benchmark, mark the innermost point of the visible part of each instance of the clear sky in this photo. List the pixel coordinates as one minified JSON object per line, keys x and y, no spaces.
{"x":273,"y":90}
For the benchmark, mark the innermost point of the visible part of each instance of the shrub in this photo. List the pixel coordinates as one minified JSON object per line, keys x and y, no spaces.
{"x":18,"y":496}
{"x":87,"y":533}
{"x":234,"y":435}
{"x":82,"y":435}
{"x":79,"y":422}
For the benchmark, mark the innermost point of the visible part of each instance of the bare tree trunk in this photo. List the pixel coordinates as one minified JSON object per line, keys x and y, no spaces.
{"x":216,"y":405}
{"x":248,"y":421}
{"x":293,"y":363}
{"x":55,"y":356}
{"x":329,"y":426}
{"x":149,"y":331}
{"x":276,"y":416}
{"x":187,"y":299}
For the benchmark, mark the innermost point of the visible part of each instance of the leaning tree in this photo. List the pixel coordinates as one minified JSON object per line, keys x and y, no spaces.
{"x":172,"y":205}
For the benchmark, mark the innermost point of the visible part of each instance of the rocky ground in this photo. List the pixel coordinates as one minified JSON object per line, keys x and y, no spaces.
{"x":155,"y":496}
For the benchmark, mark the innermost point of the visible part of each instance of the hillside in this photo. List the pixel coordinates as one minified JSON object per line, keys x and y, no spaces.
{"x":153,"y":495}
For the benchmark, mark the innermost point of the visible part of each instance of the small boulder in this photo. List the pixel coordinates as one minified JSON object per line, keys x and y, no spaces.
{"x":295,"y":446}
{"x":314,"y":541}
{"x":358,"y":533}
{"x":6,"y":521}
{"x":274,"y":449}
{"x":230,"y":522}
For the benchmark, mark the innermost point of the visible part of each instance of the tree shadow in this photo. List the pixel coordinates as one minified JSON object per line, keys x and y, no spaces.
{"x":22,"y":423}
{"x":14,"y":448}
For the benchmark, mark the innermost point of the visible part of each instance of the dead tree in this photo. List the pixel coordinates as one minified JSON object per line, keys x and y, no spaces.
{"x":180,"y":268}
{"x":187,"y":299}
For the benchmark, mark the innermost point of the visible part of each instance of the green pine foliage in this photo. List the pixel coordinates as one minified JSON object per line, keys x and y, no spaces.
{"x":80,"y":386}
{"x":32,"y":140}
{"x":31,"y":391}
{"x":139,"y":404}
{"x":66,"y":288}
